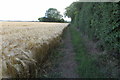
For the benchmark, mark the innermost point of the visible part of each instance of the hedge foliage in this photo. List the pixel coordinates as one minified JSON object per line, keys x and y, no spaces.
{"x":100,"y":21}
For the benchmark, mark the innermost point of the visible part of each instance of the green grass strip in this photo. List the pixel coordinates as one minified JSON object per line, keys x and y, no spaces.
{"x":86,"y":63}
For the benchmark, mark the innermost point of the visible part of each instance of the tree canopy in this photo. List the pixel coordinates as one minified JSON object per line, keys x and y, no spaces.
{"x":52,"y":15}
{"x":73,"y":9}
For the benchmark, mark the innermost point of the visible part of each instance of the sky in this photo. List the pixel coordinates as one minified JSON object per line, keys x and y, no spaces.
{"x":30,"y":10}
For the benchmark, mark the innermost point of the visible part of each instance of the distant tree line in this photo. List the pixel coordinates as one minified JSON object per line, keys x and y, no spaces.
{"x":52,"y":15}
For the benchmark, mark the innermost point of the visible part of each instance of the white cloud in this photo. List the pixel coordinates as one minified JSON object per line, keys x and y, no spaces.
{"x":29,"y":9}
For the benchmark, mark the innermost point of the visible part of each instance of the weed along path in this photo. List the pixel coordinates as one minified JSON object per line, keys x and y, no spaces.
{"x":68,"y":65}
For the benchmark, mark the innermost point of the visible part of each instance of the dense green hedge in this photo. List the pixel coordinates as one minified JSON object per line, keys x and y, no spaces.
{"x":100,"y":21}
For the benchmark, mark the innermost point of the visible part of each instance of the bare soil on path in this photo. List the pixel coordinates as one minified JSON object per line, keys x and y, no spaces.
{"x":67,"y":65}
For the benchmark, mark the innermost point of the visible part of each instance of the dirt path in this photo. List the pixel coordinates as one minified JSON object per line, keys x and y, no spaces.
{"x":65,"y":64}
{"x":90,"y":45}
{"x":68,"y":64}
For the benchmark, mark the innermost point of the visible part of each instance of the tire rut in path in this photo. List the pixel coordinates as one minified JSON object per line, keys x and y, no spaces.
{"x":68,"y":65}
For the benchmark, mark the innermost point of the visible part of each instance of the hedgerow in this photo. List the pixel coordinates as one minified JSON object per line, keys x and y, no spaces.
{"x":100,"y":21}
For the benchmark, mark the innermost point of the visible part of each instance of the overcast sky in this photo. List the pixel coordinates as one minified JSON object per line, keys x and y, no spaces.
{"x":29,"y":9}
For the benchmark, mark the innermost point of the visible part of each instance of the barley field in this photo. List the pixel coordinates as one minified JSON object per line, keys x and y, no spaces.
{"x":24,"y":46}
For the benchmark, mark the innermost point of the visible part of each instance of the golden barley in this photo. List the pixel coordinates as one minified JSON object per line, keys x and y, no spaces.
{"x":24,"y":46}
{"x":0,"y":51}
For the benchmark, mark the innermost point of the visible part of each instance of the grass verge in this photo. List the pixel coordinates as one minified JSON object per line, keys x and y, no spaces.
{"x":86,"y":62}
{"x":50,"y":67}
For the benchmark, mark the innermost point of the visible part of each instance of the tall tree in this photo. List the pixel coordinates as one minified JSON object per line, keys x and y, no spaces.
{"x":53,"y":13}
